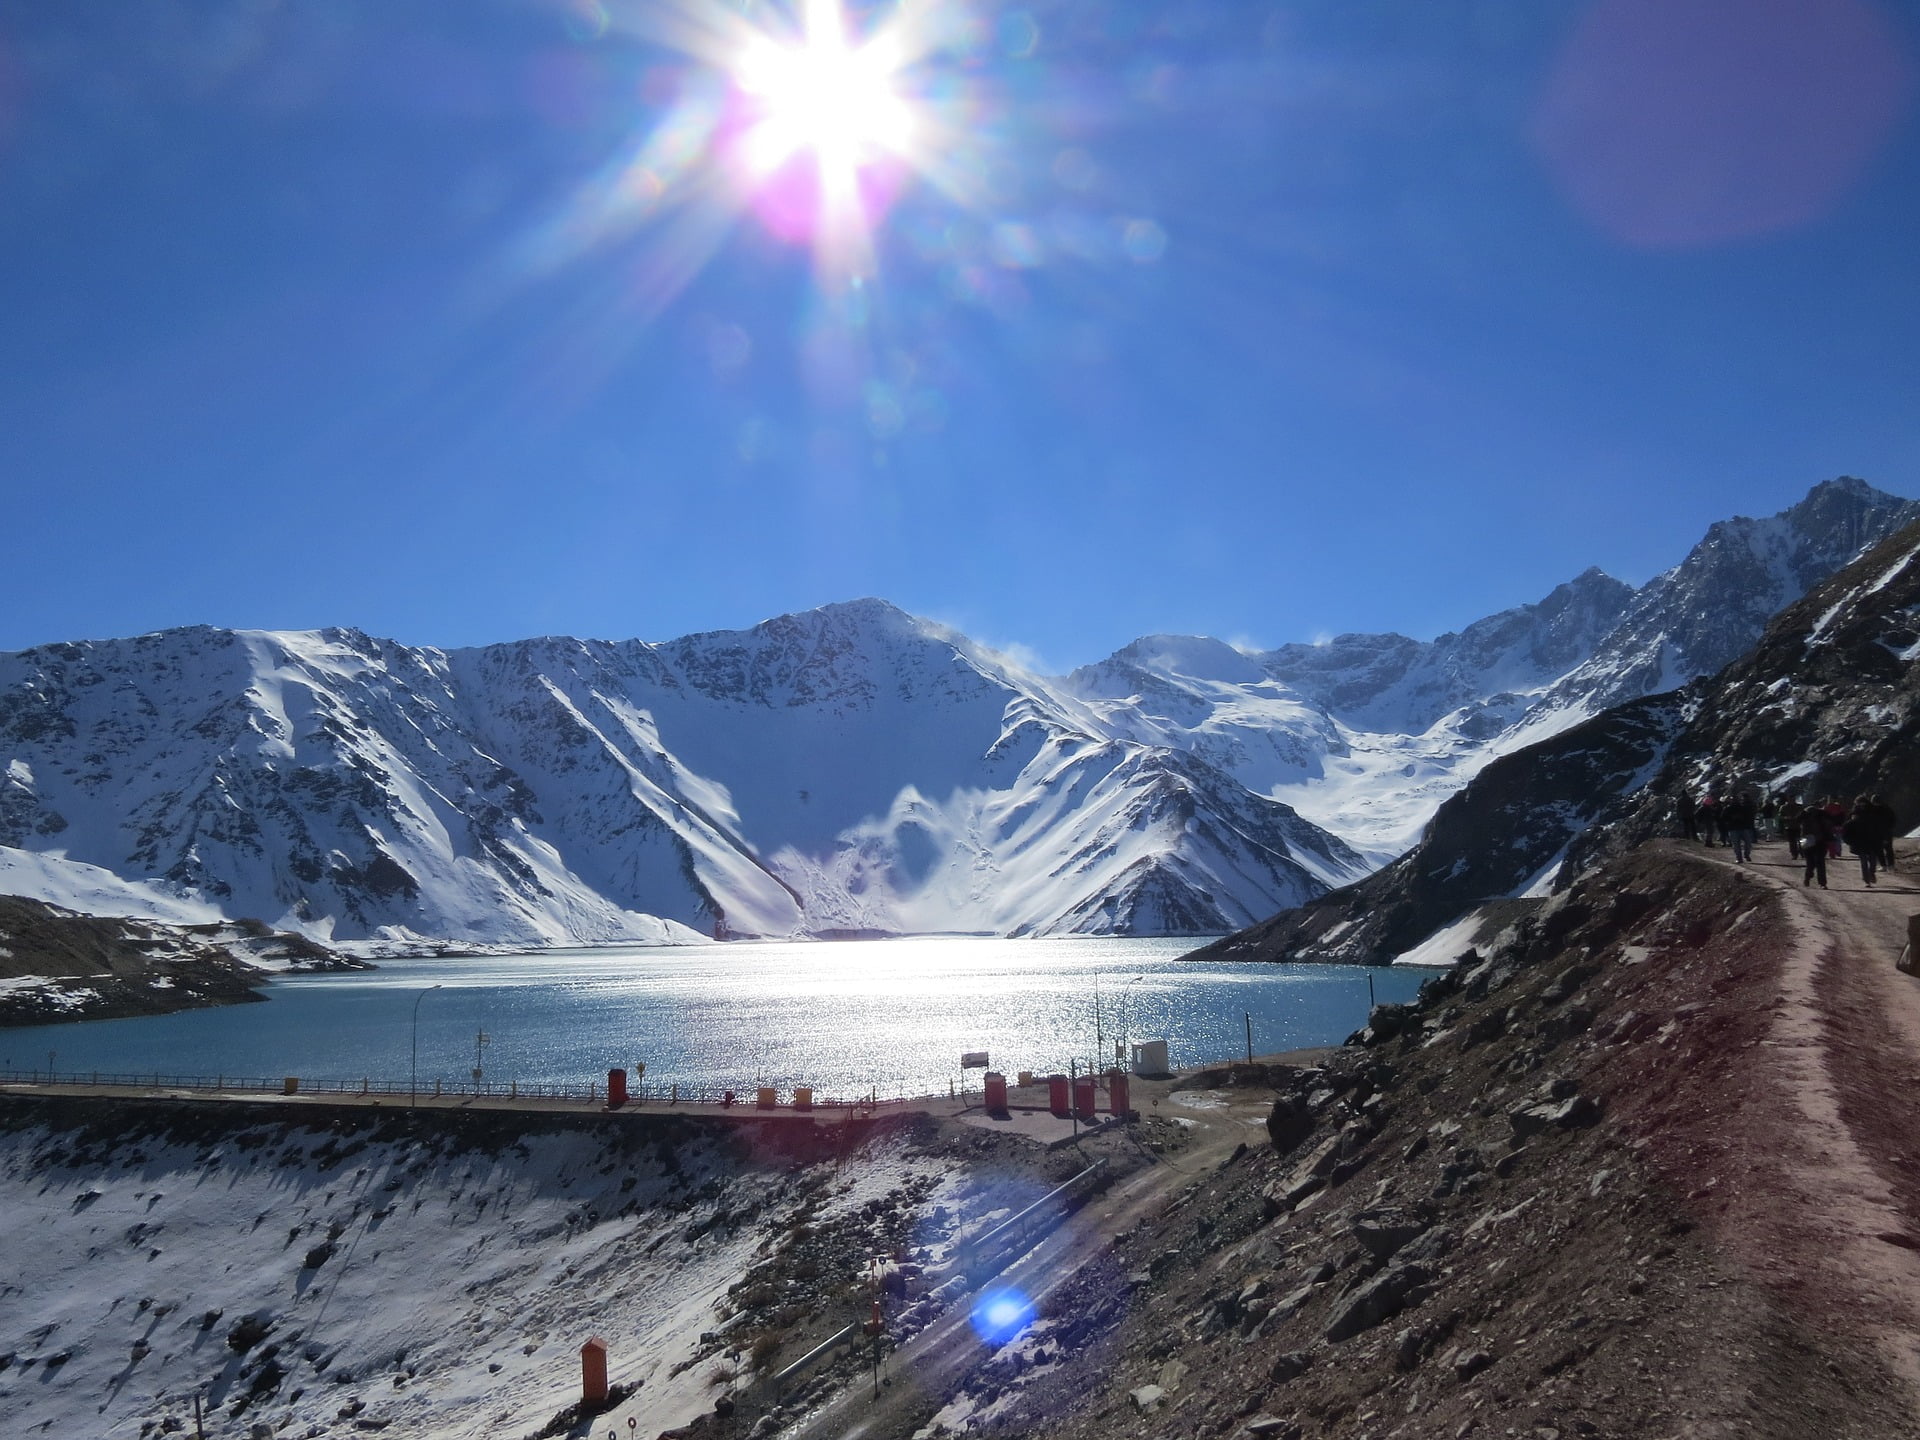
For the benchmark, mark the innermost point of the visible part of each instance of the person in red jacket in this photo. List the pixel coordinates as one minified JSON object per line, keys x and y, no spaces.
{"x":1836,"y":818}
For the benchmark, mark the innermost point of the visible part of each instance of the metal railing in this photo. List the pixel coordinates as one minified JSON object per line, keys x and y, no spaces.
{"x":651,"y":1095}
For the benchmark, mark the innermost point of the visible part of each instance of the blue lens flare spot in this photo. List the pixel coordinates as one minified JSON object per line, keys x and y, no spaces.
{"x":999,"y":1315}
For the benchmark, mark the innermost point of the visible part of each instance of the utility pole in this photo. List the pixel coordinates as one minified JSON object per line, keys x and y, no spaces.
{"x":1249,"y":1018}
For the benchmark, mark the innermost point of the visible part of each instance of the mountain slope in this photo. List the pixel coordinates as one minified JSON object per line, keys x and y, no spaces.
{"x":852,"y":769}
{"x":1366,"y":735}
{"x":1826,"y":703}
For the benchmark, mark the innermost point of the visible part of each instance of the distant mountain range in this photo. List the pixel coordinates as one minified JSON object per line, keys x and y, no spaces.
{"x":1826,"y":703}
{"x":851,"y":770}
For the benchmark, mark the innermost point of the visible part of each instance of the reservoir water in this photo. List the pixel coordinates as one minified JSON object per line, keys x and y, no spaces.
{"x":847,"y":1017}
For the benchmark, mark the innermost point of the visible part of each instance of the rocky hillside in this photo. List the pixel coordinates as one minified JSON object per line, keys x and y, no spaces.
{"x":1560,"y":1197}
{"x":1828,"y":703}
{"x":56,"y":965}
{"x":1504,"y":835}
{"x":1825,"y":703}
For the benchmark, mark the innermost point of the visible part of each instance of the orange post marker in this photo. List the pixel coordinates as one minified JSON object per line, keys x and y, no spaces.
{"x":593,"y":1372}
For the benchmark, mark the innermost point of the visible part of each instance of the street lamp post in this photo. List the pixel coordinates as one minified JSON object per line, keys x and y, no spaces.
{"x":414,"y":1086}
{"x":1125,"y":1007}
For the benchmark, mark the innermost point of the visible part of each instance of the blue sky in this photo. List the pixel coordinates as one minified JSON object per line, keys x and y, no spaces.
{"x":461,"y":320}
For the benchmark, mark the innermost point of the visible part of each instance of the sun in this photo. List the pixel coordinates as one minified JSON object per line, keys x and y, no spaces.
{"x":824,"y":119}
{"x":823,"y":96}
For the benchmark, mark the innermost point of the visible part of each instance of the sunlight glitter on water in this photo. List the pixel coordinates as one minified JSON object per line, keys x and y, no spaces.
{"x":845,"y":1017}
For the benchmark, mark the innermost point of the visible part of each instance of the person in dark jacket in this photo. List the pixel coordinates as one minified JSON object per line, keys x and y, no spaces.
{"x":1689,"y":817}
{"x":1736,"y":820}
{"x":1815,"y":834}
{"x":1889,"y":826}
{"x":1861,"y":831}
{"x":1709,"y":818}
{"x":1790,"y":825}
{"x":1769,"y":818}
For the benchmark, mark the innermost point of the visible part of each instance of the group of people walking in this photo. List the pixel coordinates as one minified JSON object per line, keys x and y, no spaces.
{"x":1815,"y":830}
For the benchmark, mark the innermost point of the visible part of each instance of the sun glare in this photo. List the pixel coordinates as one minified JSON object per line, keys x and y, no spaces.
{"x":821,"y":98}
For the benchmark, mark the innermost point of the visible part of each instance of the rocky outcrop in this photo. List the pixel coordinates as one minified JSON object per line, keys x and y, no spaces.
{"x":58,"y":966}
{"x":1508,"y":828}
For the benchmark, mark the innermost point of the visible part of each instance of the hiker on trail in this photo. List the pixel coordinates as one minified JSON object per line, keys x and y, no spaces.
{"x":1888,"y":825}
{"x":1769,"y":818}
{"x":1709,"y":818}
{"x":1689,"y":817}
{"x":1862,"y":834}
{"x":1736,"y":821}
{"x":1790,"y":825}
{"x":1816,"y":831}
{"x":1836,"y":818}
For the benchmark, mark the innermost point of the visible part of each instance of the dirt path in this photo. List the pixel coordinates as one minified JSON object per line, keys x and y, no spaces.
{"x":1845,"y":1039}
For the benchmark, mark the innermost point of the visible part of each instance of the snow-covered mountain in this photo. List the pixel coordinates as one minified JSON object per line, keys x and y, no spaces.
{"x":1826,"y":703}
{"x":849,"y":770}
{"x":1367,"y":735}
{"x":852,"y":769}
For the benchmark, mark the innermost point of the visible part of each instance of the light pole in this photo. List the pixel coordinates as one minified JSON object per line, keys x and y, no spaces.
{"x":414,"y":1088}
{"x":1125,"y":1007}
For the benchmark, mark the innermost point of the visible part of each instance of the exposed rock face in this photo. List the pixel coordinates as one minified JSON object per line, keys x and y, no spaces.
{"x":1708,"y":611}
{"x":1510,"y":825}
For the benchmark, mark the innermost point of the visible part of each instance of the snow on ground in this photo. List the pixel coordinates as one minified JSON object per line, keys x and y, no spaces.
{"x":52,"y":878}
{"x":1446,"y":945}
{"x":441,"y":1288}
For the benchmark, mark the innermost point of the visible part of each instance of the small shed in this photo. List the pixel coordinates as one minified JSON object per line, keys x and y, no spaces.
{"x":1150,"y":1058}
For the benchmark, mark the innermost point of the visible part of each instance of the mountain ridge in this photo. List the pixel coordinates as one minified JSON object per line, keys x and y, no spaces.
{"x":850,"y":769}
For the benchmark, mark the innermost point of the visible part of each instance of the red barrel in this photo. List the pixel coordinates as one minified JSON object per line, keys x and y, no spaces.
{"x":996,"y":1092}
{"x":1083,"y":1096}
{"x":1057,"y":1100}
{"x":1117,"y":1093}
{"x":616,"y":1089}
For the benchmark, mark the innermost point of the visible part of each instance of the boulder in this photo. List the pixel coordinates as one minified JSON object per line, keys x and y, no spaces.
{"x":1383,"y":1231}
{"x":1381,"y":1298}
{"x":1146,"y":1398}
{"x":1574,"y":1113}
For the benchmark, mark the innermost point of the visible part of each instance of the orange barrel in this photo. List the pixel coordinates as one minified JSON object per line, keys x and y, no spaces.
{"x":1117,"y":1092}
{"x":1083,"y":1096}
{"x":996,"y":1092}
{"x":1057,"y":1100}
{"x":616,"y":1089}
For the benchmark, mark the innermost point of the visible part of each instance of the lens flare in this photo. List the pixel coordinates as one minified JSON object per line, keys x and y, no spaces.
{"x":826,"y":134}
{"x":999,"y":1315}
